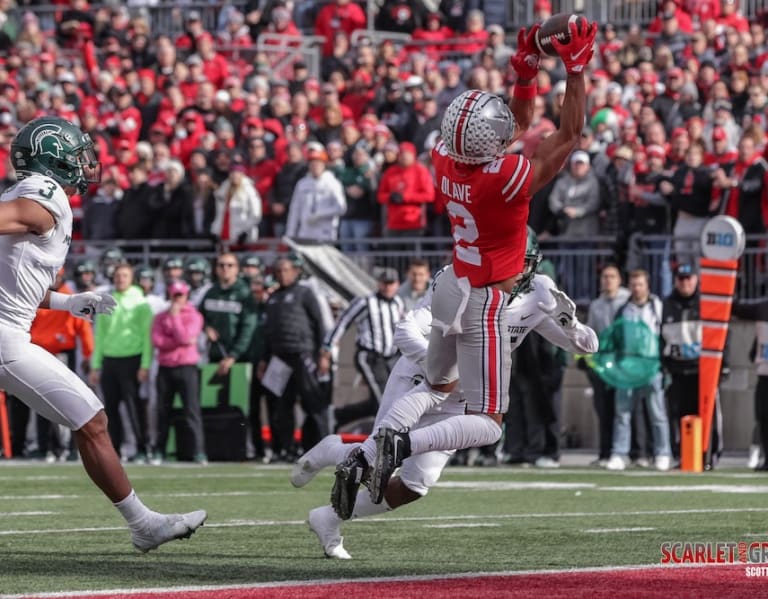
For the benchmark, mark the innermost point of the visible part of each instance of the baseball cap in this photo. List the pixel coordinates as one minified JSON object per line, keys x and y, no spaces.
{"x":655,"y":150}
{"x":685,"y":269}
{"x":719,"y":134}
{"x":388,"y":275}
{"x":407,"y":146}
{"x":624,"y":152}
{"x":678,"y":132}
{"x":178,"y":288}
{"x":580,"y":156}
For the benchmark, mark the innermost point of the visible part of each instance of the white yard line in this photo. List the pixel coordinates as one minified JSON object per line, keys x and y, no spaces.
{"x":612,"y":530}
{"x":460,"y":518}
{"x":338,"y":581}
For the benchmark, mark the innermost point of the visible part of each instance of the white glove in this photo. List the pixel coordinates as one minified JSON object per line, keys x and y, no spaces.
{"x":83,"y":305}
{"x":562,"y":311}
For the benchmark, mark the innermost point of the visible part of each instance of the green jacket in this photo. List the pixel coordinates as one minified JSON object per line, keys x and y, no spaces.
{"x":126,"y":332}
{"x":232,"y":313}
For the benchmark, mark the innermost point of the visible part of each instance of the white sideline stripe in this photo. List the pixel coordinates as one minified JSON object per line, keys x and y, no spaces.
{"x":14,"y":514}
{"x":740,"y":489}
{"x":160,"y":494}
{"x":609,"y":530}
{"x":246,"y":523}
{"x":499,"y":485}
{"x":338,"y":581}
{"x":466,"y":525}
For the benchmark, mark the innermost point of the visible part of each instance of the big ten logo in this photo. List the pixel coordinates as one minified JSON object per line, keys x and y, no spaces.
{"x":721,"y":238}
{"x":685,"y":351}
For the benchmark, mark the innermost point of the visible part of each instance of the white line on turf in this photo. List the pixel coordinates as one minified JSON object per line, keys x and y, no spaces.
{"x":610,"y":530}
{"x":337,"y":581}
{"x":762,"y":489}
{"x":465,"y":525}
{"x":16,"y":514}
{"x":486,"y":517}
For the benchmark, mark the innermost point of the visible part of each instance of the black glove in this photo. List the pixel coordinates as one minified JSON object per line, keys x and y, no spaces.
{"x":396,"y":198}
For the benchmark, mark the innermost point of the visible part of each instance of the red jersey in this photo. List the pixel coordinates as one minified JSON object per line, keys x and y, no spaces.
{"x":488,"y":208}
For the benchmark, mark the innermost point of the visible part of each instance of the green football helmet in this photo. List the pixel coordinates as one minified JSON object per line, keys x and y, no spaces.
{"x":86,"y":266}
{"x":56,"y":148}
{"x":531,"y":263}
{"x":144,"y":271}
{"x":197,"y":264}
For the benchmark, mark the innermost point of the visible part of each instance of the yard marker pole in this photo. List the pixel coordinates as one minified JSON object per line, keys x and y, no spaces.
{"x":722,"y":243}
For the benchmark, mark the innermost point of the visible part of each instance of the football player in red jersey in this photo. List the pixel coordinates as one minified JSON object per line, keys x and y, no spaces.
{"x":486,"y":193}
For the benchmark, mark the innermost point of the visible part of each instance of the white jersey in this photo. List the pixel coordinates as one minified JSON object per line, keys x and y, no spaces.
{"x":29,"y":262}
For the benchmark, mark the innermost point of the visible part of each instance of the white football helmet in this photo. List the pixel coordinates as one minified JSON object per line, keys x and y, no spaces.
{"x":477,"y":127}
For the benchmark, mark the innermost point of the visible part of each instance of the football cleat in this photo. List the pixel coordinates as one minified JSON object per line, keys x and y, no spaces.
{"x":156,"y":529}
{"x":350,"y":474}
{"x":391,"y":449}
{"x":312,"y":462}
{"x":324,"y":523}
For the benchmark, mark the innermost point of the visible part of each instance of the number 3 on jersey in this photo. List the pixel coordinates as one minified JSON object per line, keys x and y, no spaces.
{"x":48,"y":193}
{"x":464,"y":234}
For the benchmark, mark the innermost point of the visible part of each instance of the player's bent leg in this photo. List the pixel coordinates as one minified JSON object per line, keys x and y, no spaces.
{"x":324,"y":522}
{"x":417,"y":476}
{"x":330,"y":451}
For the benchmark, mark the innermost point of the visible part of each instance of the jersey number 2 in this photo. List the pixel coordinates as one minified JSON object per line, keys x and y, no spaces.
{"x":47,"y":193}
{"x":464,"y":234}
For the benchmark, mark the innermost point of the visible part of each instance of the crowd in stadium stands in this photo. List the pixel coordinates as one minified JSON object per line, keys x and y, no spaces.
{"x":201,"y":135}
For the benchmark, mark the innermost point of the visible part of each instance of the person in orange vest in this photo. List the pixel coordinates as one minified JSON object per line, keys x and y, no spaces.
{"x":58,"y":332}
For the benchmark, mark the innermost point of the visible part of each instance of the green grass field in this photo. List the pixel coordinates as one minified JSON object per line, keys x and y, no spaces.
{"x":57,"y":533}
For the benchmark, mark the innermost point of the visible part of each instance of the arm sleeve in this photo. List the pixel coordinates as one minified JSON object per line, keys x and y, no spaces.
{"x":580,"y":340}
{"x":354,"y":311}
{"x":411,"y":334}
{"x":245,"y":330}
{"x":98,"y":344}
{"x":145,"y":322}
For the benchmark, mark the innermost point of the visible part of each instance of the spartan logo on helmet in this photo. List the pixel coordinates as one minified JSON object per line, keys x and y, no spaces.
{"x":45,"y":140}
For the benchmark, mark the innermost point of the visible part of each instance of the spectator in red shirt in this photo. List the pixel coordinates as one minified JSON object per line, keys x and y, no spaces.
{"x":404,"y":189}
{"x":475,"y":38}
{"x":431,"y":37}
{"x":215,"y":66}
{"x":262,"y":170}
{"x":723,"y":153}
{"x":668,"y":9}
{"x":193,"y":28}
{"x":731,"y":16}
{"x":339,"y":15}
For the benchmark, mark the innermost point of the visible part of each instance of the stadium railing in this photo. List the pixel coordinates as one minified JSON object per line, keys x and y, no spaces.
{"x":576,"y":263}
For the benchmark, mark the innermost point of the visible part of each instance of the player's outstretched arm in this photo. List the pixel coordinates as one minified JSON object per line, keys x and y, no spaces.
{"x":526,"y":64}
{"x":562,"y":328}
{"x":552,"y":152}
{"x":24,"y":216}
{"x":82,"y":305}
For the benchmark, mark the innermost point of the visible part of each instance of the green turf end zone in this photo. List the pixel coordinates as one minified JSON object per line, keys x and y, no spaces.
{"x":57,"y":533}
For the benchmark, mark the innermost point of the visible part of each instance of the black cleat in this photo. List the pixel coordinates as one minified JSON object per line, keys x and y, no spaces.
{"x":391,"y":449}
{"x":350,"y":474}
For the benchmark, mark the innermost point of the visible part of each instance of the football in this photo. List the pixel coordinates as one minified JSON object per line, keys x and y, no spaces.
{"x":556,"y":26}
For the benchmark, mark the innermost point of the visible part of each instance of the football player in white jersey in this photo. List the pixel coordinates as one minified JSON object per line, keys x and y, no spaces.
{"x":533,"y":308}
{"x":54,"y":159}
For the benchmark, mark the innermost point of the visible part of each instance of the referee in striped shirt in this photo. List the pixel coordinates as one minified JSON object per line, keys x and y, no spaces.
{"x":375,"y":315}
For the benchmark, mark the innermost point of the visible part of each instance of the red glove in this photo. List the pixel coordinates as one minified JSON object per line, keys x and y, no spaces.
{"x":526,"y":60}
{"x":577,"y":53}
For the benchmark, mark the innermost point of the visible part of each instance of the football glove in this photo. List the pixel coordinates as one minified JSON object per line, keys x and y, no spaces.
{"x":84,"y":305}
{"x":526,"y":60}
{"x":577,"y":53}
{"x":562,"y":310}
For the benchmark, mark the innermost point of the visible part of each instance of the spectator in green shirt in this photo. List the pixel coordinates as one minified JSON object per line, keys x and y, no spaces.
{"x":121,"y":358}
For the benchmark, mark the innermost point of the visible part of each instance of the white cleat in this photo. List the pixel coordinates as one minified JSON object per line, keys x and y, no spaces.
{"x":753,"y":461}
{"x":663,"y":463}
{"x":157,"y":529}
{"x":320,"y":456}
{"x":324,"y":522}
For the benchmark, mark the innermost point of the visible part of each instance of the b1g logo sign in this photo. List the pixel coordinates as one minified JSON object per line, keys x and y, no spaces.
{"x":723,"y":239}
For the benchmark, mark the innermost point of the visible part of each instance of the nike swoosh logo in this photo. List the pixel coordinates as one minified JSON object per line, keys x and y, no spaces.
{"x":579,"y":53}
{"x":526,"y":316}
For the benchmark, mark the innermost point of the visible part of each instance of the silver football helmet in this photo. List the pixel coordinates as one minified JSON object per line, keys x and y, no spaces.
{"x":477,"y":127}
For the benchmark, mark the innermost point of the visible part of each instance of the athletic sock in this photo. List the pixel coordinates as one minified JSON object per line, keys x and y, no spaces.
{"x":132,"y":509}
{"x":341,"y":452}
{"x":365,"y":507}
{"x":456,"y":432}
